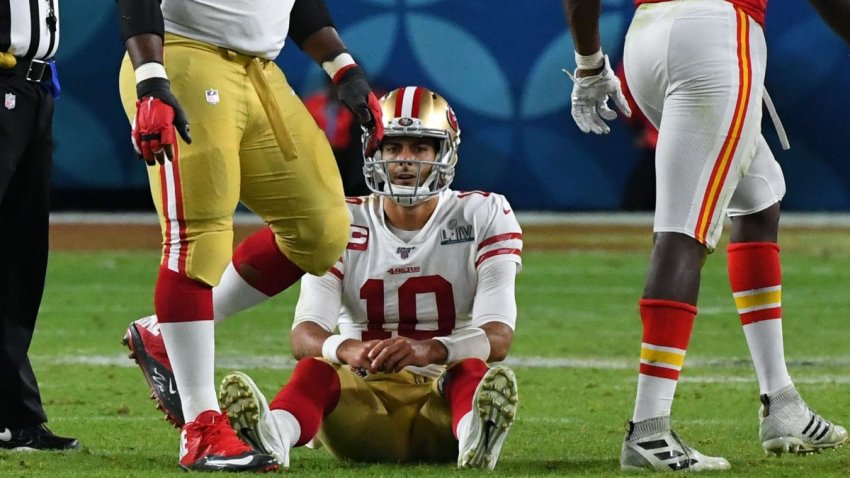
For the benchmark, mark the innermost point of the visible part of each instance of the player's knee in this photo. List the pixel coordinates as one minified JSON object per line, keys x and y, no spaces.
{"x":311,"y":365}
{"x":320,"y":241}
{"x":205,"y":251}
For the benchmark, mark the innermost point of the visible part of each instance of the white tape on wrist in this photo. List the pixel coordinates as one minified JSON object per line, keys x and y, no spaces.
{"x":337,"y":65}
{"x":150,"y":70}
{"x":590,"y":62}
{"x":330,"y":346}
{"x":466,"y":343}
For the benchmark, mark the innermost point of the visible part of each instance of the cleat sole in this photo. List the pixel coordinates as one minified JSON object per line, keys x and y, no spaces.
{"x":495,"y":406}
{"x":173,"y":419}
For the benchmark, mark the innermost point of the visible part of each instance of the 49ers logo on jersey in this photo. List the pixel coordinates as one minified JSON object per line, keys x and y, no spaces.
{"x":359,"y":239}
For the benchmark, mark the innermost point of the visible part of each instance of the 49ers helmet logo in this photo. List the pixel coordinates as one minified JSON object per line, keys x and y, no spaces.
{"x":450,"y":115}
{"x":405,"y":121}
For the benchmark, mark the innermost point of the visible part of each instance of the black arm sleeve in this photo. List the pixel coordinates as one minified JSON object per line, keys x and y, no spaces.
{"x":308,"y":17}
{"x":140,"y":16}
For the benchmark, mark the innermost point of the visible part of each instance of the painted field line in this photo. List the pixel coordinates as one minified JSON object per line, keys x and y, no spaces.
{"x":729,"y":379}
{"x":572,"y":419}
{"x":286,"y":362}
{"x":530,"y":218}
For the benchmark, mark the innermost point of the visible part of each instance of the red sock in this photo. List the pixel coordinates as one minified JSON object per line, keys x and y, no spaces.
{"x":667,"y":329}
{"x":460,"y":386}
{"x":261,"y":263}
{"x":311,"y":393}
{"x":178,"y":298}
{"x":756,"y":278}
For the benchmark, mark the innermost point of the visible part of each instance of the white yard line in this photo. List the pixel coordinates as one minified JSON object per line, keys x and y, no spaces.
{"x":530,"y":218}
{"x":286,"y":362}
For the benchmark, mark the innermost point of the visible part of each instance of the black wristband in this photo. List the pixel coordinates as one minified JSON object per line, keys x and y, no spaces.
{"x":354,"y":73}
{"x":140,"y":16}
{"x":150,"y":86}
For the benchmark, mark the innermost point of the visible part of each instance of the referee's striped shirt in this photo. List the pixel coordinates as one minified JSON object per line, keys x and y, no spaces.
{"x":29,"y":28}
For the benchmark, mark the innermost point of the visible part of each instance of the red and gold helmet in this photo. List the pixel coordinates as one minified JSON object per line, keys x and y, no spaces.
{"x":414,"y":111}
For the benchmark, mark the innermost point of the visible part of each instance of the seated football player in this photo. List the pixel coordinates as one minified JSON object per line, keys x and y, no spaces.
{"x":392,"y":342}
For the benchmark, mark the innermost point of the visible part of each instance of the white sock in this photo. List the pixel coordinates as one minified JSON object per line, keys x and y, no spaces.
{"x":654,"y":397}
{"x":765,"y":341}
{"x":288,"y":425}
{"x":191,"y":349}
{"x":463,"y":425}
{"x":233,"y":294}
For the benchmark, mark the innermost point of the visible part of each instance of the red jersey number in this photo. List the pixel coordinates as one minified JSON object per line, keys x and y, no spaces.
{"x":373,"y":293}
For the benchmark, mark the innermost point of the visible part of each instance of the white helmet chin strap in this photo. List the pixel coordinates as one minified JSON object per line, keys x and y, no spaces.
{"x":405,"y":195}
{"x":409,"y":196}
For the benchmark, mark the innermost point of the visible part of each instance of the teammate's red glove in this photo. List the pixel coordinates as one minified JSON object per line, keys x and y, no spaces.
{"x":354,"y":92}
{"x":158,"y":113}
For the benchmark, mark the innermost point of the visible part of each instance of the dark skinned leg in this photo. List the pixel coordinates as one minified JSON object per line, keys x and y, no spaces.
{"x":674,"y":268}
{"x":762,"y":226}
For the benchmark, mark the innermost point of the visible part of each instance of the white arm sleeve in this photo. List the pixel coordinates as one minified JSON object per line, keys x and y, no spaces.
{"x":495,"y":299}
{"x":320,"y":301}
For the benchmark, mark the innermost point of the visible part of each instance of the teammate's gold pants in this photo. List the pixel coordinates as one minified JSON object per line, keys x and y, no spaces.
{"x":389,"y":417}
{"x":235,"y":156}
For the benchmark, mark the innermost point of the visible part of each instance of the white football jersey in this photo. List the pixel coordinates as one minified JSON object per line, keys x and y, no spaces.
{"x":421,"y":288}
{"x":253,"y":27}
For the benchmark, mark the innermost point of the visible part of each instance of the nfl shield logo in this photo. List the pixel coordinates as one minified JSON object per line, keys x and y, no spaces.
{"x":10,"y":101}
{"x":212,"y":96}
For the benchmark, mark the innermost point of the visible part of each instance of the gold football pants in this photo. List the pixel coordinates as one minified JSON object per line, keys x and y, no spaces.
{"x":389,"y":417}
{"x":286,"y":174}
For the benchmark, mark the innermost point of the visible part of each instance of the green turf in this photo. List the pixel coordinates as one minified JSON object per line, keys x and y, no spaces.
{"x":572,"y":305}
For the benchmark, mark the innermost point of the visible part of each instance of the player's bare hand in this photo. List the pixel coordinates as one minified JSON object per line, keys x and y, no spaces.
{"x":356,"y":353}
{"x":590,"y":97}
{"x":392,"y":355}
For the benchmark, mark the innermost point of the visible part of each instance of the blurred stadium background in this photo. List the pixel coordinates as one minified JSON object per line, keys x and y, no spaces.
{"x":498,"y":63}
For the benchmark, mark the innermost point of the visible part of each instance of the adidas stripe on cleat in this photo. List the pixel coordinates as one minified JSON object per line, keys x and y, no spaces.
{"x":493,"y":411}
{"x":652,"y":445}
{"x":788,"y":425}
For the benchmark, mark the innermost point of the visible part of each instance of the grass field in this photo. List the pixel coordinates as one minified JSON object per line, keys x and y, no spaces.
{"x":575,"y":356}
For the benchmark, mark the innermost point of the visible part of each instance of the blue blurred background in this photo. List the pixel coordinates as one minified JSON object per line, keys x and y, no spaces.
{"x":498,"y":63}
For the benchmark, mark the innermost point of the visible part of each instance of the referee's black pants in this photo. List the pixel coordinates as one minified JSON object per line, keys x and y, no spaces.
{"x":26,"y":148}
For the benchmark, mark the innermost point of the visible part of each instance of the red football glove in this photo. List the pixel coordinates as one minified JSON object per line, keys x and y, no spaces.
{"x":157,"y":115}
{"x":377,"y":124}
{"x":354,"y":92}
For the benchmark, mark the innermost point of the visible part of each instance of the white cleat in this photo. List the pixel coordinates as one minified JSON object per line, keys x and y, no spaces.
{"x":493,"y":411}
{"x":652,"y":445}
{"x":251,"y":417}
{"x":788,"y":425}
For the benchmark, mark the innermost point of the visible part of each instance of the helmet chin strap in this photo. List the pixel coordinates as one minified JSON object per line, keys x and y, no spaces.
{"x":406,"y":196}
